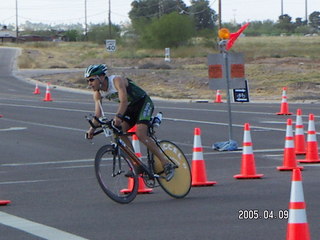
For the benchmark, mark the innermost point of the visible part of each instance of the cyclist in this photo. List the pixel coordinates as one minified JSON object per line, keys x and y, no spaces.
{"x":135,"y":108}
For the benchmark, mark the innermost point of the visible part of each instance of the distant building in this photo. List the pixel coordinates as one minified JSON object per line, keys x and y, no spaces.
{"x":6,"y":35}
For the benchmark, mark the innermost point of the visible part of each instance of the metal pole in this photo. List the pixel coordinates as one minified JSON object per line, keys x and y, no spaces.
{"x":306,"y":9}
{"x":226,"y":69}
{"x":219,"y":14}
{"x":109,"y":17}
{"x":17,"y":28}
{"x":85,"y":21}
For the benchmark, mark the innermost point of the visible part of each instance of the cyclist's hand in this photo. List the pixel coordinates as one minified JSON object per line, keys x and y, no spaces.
{"x":117,"y":122}
{"x":89,"y":133}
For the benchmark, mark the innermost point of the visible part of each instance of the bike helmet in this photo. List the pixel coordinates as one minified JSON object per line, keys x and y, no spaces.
{"x":93,"y":70}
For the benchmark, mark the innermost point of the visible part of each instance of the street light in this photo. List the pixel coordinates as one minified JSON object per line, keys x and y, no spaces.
{"x":85,"y":21}
{"x":17,"y":28}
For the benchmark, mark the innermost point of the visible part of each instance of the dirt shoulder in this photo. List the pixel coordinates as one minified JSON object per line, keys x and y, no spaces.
{"x":187,"y":78}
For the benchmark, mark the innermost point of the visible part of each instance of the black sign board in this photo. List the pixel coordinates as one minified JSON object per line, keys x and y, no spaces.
{"x":241,"y":94}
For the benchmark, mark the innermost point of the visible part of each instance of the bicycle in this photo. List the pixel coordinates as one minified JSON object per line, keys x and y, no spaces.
{"x":114,"y":161}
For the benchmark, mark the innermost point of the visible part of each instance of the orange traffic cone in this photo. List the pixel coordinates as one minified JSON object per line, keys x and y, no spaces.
{"x":298,"y":227}
{"x":218,"y":97}
{"x":312,"y":155}
{"x":142,"y":188}
{"x":47,"y":97}
{"x":289,"y":156}
{"x":284,"y":109}
{"x":199,"y":176}
{"x":4,"y":202}
{"x":37,"y":89}
{"x":248,"y":169}
{"x":299,"y":140}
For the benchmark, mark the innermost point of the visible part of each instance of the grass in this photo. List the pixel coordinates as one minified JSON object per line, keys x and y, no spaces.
{"x":271,"y":63}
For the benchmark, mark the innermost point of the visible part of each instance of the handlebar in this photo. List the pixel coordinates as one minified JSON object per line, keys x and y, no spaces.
{"x":104,"y":122}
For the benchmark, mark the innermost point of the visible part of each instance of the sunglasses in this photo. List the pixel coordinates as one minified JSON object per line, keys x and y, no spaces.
{"x":91,"y":79}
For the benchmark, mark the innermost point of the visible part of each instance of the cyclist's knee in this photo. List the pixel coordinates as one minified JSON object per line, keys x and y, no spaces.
{"x":141,"y":135}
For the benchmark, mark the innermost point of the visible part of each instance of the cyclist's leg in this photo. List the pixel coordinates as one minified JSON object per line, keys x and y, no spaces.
{"x":167,"y":165}
{"x":142,"y":134}
{"x":125,"y":127}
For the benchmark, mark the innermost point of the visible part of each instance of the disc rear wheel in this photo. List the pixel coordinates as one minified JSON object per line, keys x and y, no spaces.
{"x":180,"y":185}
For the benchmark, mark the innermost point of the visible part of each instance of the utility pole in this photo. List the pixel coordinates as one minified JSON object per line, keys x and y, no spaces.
{"x":109,"y":17}
{"x":219,"y":20}
{"x":85,"y":21}
{"x":306,"y":8}
{"x":17,"y":28}
{"x":161,"y":8}
{"x":281,"y":7}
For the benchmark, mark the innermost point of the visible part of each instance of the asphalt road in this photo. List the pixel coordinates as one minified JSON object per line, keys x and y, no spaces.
{"x":46,"y":170}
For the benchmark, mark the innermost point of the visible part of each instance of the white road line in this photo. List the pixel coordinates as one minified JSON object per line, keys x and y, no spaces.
{"x":170,"y":119}
{"x":45,"y":125}
{"x":36,"y":229}
{"x":274,"y":122}
{"x":144,"y":157}
{"x":12,"y":129}
{"x":225,"y":124}
{"x":23,"y":182}
{"x":46,"y":163}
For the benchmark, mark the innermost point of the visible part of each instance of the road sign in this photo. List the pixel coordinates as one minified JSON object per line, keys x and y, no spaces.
{"x":111,"y":45}
{"x":217,"y":71}
{"x":241,"y":94}
{"x":167,"y":55}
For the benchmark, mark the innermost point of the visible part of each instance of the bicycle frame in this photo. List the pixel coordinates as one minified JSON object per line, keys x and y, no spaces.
{"x":116,"y":133}
{"x":123,"y":188}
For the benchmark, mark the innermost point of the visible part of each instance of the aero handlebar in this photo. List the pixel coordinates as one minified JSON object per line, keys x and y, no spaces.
{"x":104,"y":122}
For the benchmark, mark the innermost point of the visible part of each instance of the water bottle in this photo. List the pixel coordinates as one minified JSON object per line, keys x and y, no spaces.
{"x":157,"y":119}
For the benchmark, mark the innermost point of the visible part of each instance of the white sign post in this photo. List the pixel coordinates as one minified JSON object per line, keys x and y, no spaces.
{"x":167,"y":55}
{"x":111,"y":45}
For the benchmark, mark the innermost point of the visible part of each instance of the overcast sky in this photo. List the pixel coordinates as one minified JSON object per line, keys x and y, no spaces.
{"x":73,"y":11}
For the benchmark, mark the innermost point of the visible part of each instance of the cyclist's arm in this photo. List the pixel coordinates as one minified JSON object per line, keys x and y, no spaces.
{"x":120,"y":85}
{"x":97,"y":106}
{"x":97,"y":113}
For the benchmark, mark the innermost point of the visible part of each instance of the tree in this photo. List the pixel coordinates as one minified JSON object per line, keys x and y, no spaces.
{"x":285,"y":24}
{"x":100,"y":32}
{"x":170,"y":30}
{"x":314,"y":20}
{"x":258,"y":28}
{"x":143,"y":12}
{"x":73,"y":35}
{"x":204,"y":17}
{"x":299,"y":22}
{"x":150,"y":9}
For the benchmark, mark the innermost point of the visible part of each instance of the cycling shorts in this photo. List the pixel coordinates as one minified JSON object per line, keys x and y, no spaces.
{"x":139,"y":112}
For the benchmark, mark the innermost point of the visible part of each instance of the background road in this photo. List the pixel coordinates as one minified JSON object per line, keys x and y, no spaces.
{"x":46,"y":170}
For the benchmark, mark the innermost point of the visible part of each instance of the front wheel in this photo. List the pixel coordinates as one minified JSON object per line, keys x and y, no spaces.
{"x":111,"y":169}
{"x":180,"y":185}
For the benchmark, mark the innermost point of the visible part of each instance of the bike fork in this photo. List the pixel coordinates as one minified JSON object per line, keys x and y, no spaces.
{"x":116,"y":162}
